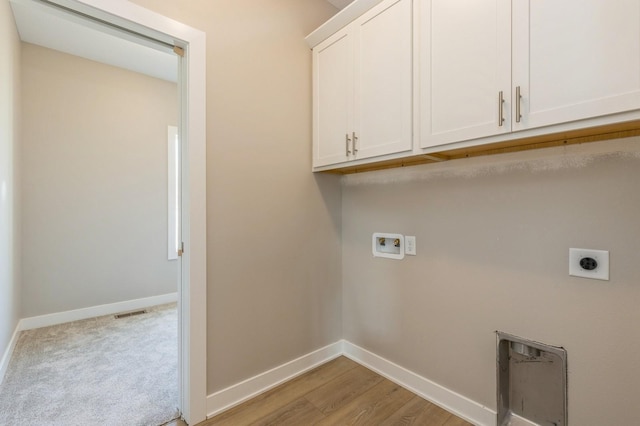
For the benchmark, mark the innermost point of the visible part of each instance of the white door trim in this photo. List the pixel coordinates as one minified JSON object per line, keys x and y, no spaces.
{"x":192,"y":291}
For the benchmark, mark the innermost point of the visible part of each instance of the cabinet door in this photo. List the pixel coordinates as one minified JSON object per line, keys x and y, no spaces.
{"x":332,"y":99}
{"x":575,"y":59}
{"x":465,"y":62}
{"x":383,"y":79}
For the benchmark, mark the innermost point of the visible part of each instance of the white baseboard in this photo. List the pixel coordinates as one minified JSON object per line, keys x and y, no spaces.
{"x":243,"y":391}
{"x":95,"y":311}
{"x":6,"y":357}
{"x":451,"y":401}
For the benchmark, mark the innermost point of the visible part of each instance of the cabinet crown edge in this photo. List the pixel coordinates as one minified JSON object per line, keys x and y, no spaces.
{"x":340,"y":20}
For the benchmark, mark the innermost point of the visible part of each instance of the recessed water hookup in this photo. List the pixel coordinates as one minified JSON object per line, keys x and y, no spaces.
{"x":388,"y":245}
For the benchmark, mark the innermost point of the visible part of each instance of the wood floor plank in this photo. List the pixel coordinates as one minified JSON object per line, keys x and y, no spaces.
{"x":296,"y":413}
{"x":413,"y":413}
{"x":340,"y":392}
{"x":437,"y":415}
{"x":456,"y":421}
{"x":343,"y":389}
{"x":282,"y":395}
{"x":419,"y":411}
{"x":370,"y":408}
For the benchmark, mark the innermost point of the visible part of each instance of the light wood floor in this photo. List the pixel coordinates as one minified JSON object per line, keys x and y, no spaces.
{"x":340,"y":392}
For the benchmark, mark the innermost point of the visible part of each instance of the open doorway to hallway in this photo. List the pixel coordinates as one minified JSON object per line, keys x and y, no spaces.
{"x":192,"y":80}
{"x":95,"y":191}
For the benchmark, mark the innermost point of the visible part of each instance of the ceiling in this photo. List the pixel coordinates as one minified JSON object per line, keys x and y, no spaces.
{"x":39,"y":24}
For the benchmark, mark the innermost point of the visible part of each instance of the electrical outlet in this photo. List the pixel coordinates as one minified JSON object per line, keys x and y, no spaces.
{"x":587,"y":263}
{"x":410,"y":245}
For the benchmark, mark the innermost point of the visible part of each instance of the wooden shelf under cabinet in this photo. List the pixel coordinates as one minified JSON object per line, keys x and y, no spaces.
{"x":592,"y":134}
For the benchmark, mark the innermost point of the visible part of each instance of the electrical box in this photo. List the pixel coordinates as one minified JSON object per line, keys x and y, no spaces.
{"x":588,"y":263}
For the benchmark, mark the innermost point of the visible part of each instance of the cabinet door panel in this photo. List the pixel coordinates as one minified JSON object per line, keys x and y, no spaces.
{"x":576,"y":59}
{"x":465,"y":63}
{"x":332,"y":99}
{"x":383,"y":80}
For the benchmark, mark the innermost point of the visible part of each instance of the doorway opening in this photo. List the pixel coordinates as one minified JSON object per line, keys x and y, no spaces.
{"x":131,"y":22}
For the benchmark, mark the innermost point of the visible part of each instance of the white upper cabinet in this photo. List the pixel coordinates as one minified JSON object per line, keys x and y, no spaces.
{"x":551,"y":62}
{"x":362,"y":87}
{"x":575,"y":59}
{"x":465,"y":63}
{"x":333,"y":99}
{"x":383,"y":80}
{"x":485,"y":72}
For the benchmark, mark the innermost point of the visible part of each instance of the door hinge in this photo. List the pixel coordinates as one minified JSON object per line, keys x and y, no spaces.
{"x":181,"y":249}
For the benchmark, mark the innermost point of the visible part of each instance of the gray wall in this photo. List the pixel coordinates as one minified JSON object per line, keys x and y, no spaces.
{"x":273,"y":227}
{"x":9,"y":184}
{"x":493,"y":237}
{"x":94,"y":179}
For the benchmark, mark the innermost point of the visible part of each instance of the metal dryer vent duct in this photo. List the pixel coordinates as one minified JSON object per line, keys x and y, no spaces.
{"x":532,"y":383}
{"x":525,"y":350}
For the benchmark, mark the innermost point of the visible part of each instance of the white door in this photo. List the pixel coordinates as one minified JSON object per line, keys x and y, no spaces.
{"x":383,"y":80}
{"x":332,"y":99}
{"x":575,"y":59}
{"x":465,"y":51}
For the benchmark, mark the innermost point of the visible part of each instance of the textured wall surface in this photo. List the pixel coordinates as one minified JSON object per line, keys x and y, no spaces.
{"x":493,"y":238}
{"x":94,"y":183}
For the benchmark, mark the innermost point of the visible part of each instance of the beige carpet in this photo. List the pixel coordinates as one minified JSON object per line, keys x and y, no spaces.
{"x":101,"y":371}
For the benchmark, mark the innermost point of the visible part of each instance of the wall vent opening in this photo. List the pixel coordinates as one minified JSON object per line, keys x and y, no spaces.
{"x":532,"y":382}
{"x":130,"y":314}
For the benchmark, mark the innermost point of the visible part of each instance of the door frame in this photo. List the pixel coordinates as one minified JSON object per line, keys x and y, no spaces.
{"x":192,"y":88}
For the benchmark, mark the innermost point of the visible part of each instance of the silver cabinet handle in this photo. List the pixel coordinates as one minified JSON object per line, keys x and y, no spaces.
{"x":518,"y":101}
{"x":500,"y":108}
{"x":355,"y":139}
{"x":346,"y":142}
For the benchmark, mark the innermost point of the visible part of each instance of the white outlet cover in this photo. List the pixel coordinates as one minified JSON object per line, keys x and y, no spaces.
{"x":410,"y":245}
{"x":601,"y":272}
